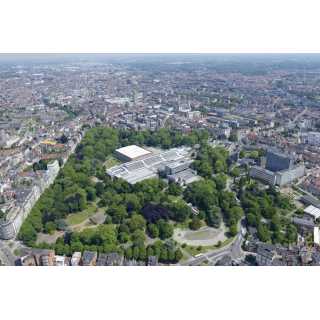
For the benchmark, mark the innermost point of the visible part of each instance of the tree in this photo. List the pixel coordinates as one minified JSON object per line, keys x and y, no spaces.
{"x":171,"y":255}
{"x":28,"y":234}
{"x":275,"y":224}
{"x":220,"y":181}
{"x":76,"y":246}
{"x":91,"y":193}
{"x":178,"y":255}
{"x":299,"y":212}
{"x":123,"y":237}
{"x":235,"y":172}
{"x":165,"y":229}
{"x":150,"y":251}
{"x":137,"y":221}
{"x":164,"y":254}
{"x":50,"y":227}
{"x":180,"y":211}
{"x":195,"y":223}
{"x":252,"y":219}
{"x":174,"y":189}
{"x":263,"y":233}
{"x":153,"y":230}
{"x":118,"y":213}
{"x":142,"y":253}
{"x":60,"y":161}
{"x":219,"y":166}
{"x":132,"y":202}
{"x":41,"y":165}
{"x":128,"y":253}
{"x":138,"y":237}
{"x":213,"y":217}
{"x":76,"y":199}
{"x":202,"y":193}
{"x":135,"y":252}
{"x":99,"y":188}
{"x":233,"y":230}
{"x":2,"y":214}
{"x":254,"y":155}
{"x":291,"y":234}
{"x":63,"y":139}
{"x":204,"y":169}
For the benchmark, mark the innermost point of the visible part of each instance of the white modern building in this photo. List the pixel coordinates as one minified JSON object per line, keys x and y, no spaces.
{"x":149,"y":166}
{"x":131,"y":153}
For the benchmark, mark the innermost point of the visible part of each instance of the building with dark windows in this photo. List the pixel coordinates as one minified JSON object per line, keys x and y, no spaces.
{"x":277,"y":161}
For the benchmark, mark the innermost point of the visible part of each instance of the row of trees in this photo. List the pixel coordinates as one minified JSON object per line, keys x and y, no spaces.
{"x":211,"y":160}
{"x":164,"y":138}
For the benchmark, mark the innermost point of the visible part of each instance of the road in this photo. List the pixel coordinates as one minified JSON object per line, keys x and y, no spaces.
{"x":298,"y":116}
{"x":164,"y":121}
{"x":233,"y":249}
{"x":6,"y":256}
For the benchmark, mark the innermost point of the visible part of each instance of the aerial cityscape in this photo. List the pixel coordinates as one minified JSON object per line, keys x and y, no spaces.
{"x":160,"y":159}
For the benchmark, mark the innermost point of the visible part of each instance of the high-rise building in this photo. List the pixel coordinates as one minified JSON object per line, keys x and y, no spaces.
{"x":277,"y":161}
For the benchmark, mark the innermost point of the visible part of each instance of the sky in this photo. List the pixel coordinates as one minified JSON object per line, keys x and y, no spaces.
{"x":149,"y":26}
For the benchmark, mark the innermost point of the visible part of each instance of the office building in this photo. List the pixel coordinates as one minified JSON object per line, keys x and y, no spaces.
{"x":277,"y":161}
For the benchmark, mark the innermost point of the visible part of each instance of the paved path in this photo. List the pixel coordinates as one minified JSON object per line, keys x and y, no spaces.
{"x":233,"y":249}
{"x":205,"y":236}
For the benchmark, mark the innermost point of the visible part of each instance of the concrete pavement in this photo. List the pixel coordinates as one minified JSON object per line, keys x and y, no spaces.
{"x":233,"y":249}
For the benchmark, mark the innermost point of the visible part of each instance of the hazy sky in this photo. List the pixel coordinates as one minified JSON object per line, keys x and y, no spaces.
{"x":159,"y":26}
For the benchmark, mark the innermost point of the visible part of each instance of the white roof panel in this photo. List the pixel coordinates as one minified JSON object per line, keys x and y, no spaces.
{"x":313,"y":211}
{"x":133,"y":151}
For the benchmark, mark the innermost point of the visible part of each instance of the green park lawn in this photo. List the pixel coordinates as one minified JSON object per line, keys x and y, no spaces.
{"x":77,"y":218}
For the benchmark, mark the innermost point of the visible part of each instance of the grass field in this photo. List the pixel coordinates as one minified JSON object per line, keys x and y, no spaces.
{"x":76,"y":218}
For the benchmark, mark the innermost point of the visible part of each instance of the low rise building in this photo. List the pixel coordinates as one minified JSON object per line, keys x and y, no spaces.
{"x":285,"y":177}
{"x":263,"y":174}
{"x":89,"y":258}
{"x":313,"y":212}
{"x":185,"y":177}
{"x":75,"y":259}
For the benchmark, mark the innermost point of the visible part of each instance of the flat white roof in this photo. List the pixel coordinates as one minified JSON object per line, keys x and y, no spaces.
{"x":313,"y":211}
{"x":133,"y":151}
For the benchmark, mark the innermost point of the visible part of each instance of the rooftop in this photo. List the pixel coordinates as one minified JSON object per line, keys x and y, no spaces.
{"x":133,"y":151}
{"x":139,"y":170}
{"x":313,"y":211}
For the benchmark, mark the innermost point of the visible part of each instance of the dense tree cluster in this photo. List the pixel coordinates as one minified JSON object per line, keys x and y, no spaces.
{"x":164,"y":138}
{"x":212,"y":203}
{"x":73,"y":188}
{"x":211,"y":160}
{"x":2,"y":214}
{"x":266,"y":210}
{"x":40,"y":165}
